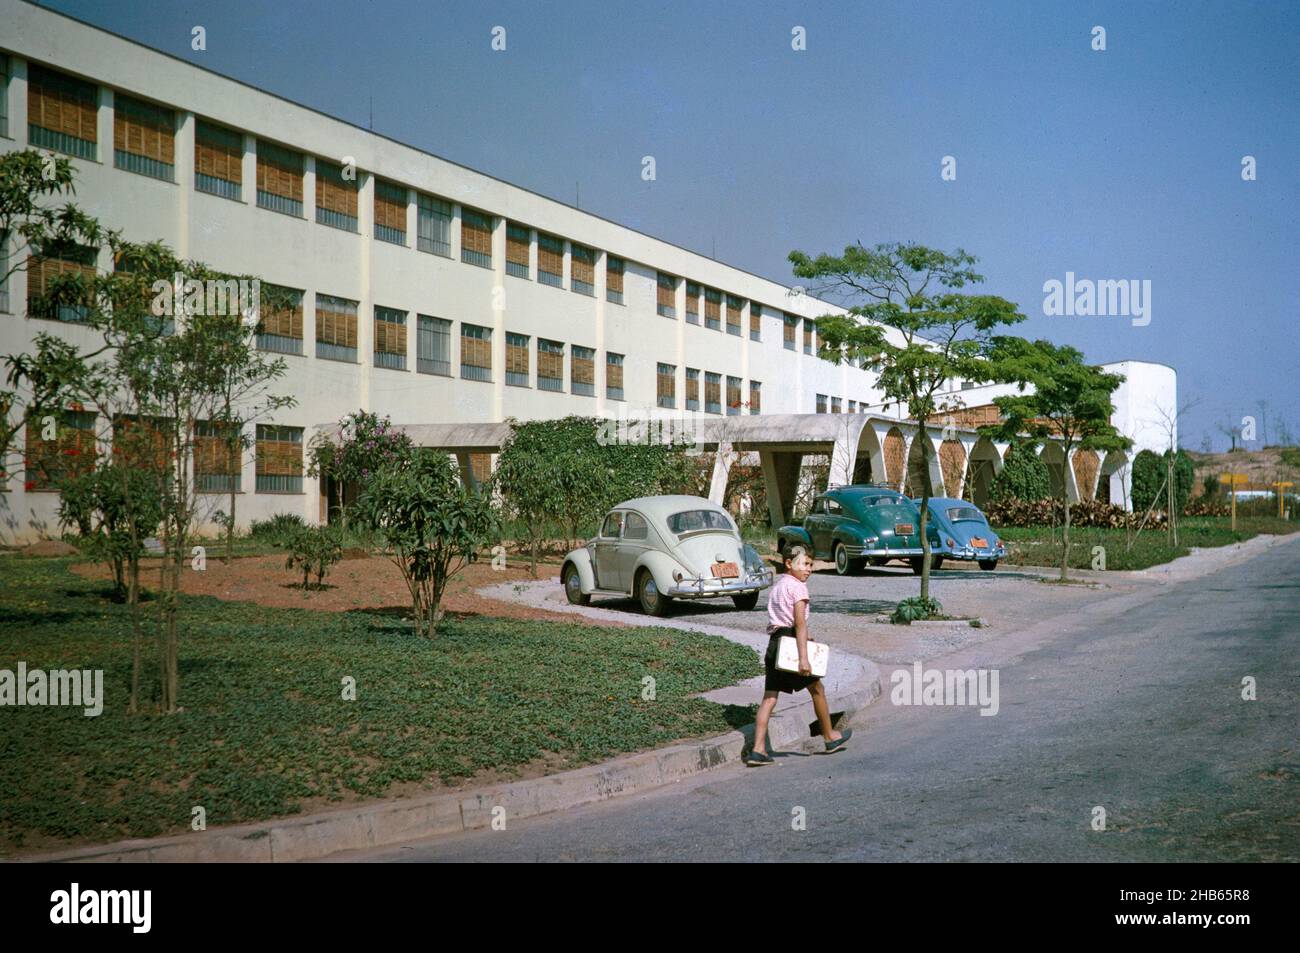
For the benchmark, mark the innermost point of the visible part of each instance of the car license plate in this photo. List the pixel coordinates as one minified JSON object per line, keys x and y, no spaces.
{"x":979,"y":542}
{"x":725,"y":571}
{"x":903,"y":529}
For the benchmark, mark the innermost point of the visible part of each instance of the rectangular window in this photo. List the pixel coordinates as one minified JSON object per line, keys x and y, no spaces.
{"x":853,"y":406}
{"x":666,"y":386}
{"x":666,"y":302}
{"x":62,"y":113}
{"x":218,"y":160}
{"x":390,"y":212}
{"x":72,"y":451}
{"x":712,"y":309}
{"x":692,"y":388}
{"x":835,"y":405}
{"x":336,"y":197}
{"x":550,"y":260}
{"x":432,"y":345}
{"x":755,"y":321}
{"x":390,"y":338}
{"x":550,"y":365}
{"x":712,"y":393}
{"x":144,"y":138}
{"x":733,"y":396}
{"x":279,"y":459}
{"x":475,"y":352}
{"x":582,"y":371}
{"x":142,"y":442}
{"x":789,"y":331}
{"x":433,"y":229}
{"x":614,"y":268}
{"x":60,"y":283}
{"x":216,"y":457}
{"x":475,"y":238}
{"x":808,"y":326}
{"x":821,"y":403}
{"x":613,"y":376}
{"x":279,"y":179}
{"x":517,"y":246}
{"x":516,"y":360}
{"x":582,"y":264}
{"x":734,"y":306}
{"x":692,"y":303}
{"x":280,"y":328}
{"x":755,"y":397}
{"x":336,"y":328}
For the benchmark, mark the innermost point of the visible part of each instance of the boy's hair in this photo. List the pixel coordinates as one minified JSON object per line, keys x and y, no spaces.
{"x":794,"y":552}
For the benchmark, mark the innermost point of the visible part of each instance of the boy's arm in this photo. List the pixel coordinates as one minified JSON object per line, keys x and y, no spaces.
{"x":801,"y":635}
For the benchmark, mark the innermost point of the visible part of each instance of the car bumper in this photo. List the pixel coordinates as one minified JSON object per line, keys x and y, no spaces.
{"x":858,"y":552}
{"x":973,"y":554}
{"x":709,"y":588}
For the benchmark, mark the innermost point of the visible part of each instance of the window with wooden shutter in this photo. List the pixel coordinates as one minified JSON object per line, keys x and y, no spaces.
{"x":692,"y":388}
{"x":733,"y":396}
{"x":336,"y":197}
{"x":336,"y":328}
{"x":755,"y":321}
{"x":279,"y":459}
{"x":755,"y":397}
{"x":390,"y":338}
{"x":62,"y":112}
{"x":475,"y":352}
{"x":279,"y":179}
{"x":712,"y":309}
{"x":217,"y":455}
{"x":583,"y":269}
{"x":666,"y":385}
{"x":390,"y":212}
{"x":734,"y":306}
{"x":582,"y":371}
{"x":712,"y":392}
{"x":550,"y":365}
{"x":808,"y":326}
{"x":280,"y":327}
{"x":517,"y":360}
{"x":693,"y":291}
{"x":218,"y":160}
{"x":518,"y":241}
{"x":614,"y":268}
{"x":144,"y":138}
{"x":613,"y":375}
{"x":69,"y":453}
{"x":666,"y":300}
{"x":789,"y":330}
{"x":60,"y":283}
{"x":550,"y":260}
{"x":475,"y":238}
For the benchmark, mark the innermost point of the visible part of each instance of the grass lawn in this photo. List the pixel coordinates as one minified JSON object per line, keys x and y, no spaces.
{"x":265,"y":732}
{"x":1041,"y":546}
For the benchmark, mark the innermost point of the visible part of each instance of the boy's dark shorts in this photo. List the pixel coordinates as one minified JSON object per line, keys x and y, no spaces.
{"x":777,"y":680}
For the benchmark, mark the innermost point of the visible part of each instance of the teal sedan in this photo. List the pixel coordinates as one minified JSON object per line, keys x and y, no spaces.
{"x":850,"y":525}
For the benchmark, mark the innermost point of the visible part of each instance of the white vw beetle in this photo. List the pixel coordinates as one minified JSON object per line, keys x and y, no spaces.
{"x":660,"y":548}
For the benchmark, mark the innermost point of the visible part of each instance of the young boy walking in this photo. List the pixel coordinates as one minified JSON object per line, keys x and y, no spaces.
{"x":787,"y":614}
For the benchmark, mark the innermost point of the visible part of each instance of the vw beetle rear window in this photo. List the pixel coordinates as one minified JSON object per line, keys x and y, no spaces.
{"x":693,"y":521}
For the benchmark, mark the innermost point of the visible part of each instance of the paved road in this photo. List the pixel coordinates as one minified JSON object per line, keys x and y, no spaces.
{"x":1132,"y":704}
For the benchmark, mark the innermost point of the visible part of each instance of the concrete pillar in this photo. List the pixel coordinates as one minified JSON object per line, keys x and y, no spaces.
{"x":466,"y":470}
{"x":186,"y":125}
{"x":248,"y":187}
{"x":842,"y":459}
{"x":722,"y":461}
{"x":781,"y":480}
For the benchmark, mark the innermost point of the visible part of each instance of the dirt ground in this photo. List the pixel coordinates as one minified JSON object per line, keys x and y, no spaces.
{"x":368,"y":583}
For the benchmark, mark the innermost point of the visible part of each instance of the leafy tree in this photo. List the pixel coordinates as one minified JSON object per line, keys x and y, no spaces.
{"x":909,"y":321}
{"x":363,"y":445}
{"x":112,"y":507}
{"x":1023,"y":477}
{"x":1070,"y":404}
{"x":433,"y":523}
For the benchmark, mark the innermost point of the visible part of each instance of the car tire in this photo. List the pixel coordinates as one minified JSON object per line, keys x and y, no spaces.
{"x":917,"y":563}
{"x":653,"y":602}
{"x":988,"y":565}
{"x":936,"y":562}
{"x":844,"y":564}
{"x":745,"y":601}
{"x":572,"y":582}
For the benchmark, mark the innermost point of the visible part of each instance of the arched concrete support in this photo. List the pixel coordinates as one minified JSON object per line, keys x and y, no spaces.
{"x":870,"y":456}
{"x":923,"y":455}
{"x":781,"y":480}
{"x":843,"y":456}
{"x":722,"y":461}
{"x":952,"y":467}
{"x":985,"y":462}
{"x":1059,"y":475}
{"x":893,"y":456}
{"x":1087,"y":467}
{"x":1114,"y":482}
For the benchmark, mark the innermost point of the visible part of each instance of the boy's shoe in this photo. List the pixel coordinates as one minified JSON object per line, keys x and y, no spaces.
{"x":839,"y":743}
{"x":756,"y":759}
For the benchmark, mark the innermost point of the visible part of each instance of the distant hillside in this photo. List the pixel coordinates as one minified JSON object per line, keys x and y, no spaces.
{"x":1262,"y":467}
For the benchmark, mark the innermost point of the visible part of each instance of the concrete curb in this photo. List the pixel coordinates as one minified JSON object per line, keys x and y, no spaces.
{"x":385,"y":823}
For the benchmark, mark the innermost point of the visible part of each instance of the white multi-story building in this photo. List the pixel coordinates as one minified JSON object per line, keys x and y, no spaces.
{"x":430,"y":292}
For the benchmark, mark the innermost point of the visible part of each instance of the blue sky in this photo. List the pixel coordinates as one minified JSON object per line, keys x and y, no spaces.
{"x":1117,"y":164}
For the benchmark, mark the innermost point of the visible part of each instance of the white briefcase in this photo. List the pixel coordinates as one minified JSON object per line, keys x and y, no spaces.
{"x":787,"y":655}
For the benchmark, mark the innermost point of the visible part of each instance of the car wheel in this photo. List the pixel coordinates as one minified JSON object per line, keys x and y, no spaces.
{"x":844,"y":564}
{"x":936,"y":562}
{"x":917,"y":563}
{"x":572,"y":581}
{"x":988,"y":565}
{"x":653,"y":602}
{"x":745,"y":601}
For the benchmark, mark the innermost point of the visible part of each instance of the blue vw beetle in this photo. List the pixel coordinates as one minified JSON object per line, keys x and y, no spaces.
{"x":965,"y":532}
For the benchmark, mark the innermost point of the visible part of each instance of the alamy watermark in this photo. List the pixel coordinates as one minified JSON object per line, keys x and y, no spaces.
{"x":1124,"y":297}
{"x":80,"y":688}
{"x":946,"y":687}
{"x":667,"y":429}
{"x":212,"y":296}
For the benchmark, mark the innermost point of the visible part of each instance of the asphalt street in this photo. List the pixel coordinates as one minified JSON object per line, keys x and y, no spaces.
{"x":1132,"y":705}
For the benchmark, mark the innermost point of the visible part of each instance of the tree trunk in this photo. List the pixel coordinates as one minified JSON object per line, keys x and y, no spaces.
{"x":1065,"y":539}
{"x":230,"y":527}
{"x":133,"y":599}
{"x":926,"y":489}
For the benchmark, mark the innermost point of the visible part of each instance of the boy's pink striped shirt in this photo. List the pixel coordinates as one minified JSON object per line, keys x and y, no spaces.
{"x":785,"y":593}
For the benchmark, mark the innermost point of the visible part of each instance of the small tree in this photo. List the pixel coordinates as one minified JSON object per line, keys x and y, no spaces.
{"x":1023,"y":476}
{"x":1070,"y":405}
{"x":363,"y":445}
{"x":113,"y":507}
{"x":432,"y":522}
{"x":909,"y":321}
{"x":313,"y":550}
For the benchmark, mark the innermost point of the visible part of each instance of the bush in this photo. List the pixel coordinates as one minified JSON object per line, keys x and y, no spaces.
{"x":1149,"y":477}
{"x":1024,"y":476}
{"x":313,"y":550}
{"x":916,"y":609}
{"x":279,"y":529}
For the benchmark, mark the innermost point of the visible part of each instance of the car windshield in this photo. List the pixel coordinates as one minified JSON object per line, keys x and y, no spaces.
{"x":693,"y":521}
{"x":965,"y":513}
